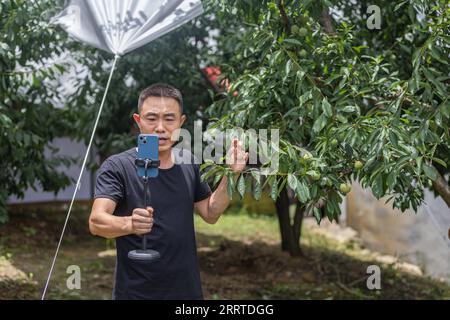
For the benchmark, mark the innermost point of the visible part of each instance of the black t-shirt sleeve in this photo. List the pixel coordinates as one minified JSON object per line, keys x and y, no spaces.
{"x":109,"y":182}
{"x":202,"y":189}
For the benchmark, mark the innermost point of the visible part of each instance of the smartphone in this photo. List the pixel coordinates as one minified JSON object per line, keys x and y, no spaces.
{"x":148,"y":149}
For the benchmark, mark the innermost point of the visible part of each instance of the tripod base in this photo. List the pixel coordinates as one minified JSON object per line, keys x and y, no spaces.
{"x":144,"y":255}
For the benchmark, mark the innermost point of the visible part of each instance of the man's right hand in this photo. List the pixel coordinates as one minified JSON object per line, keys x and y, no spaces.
{"x":142,"y":220}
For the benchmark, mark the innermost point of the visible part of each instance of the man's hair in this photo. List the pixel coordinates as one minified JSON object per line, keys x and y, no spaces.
{"x":160,"y":90}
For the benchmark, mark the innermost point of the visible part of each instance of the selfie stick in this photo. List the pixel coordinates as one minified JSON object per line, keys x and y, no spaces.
{"x":145,"y":254}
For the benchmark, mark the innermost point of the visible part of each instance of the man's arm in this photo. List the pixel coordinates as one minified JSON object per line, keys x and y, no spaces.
{"x":212,"y":207}
{"x":103,"y":223}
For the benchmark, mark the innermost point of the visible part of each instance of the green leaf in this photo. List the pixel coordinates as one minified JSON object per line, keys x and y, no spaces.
{"x":241,"y":185}
{"x":230,"y":186}
{"x":320,"y":123}
{"x":440,"y":161}
{"x":341,"y":118}
{"x":255,"y":78}
{"x":416,"y":57}
{"x":399,"y":5}
{"x":257,"y":191}
{"x":329,"y":208}
{"x":430,"y":172}
{"x":302,"y":192}
{"x":217,"y":179}
{"x":257,"y":187}
{"x":293,"y":41}
{"x":445,"y":110}
{"x":377,"y":186}
{"x":292,"y":181}
{"x":326,"y":107}
{"x":419,"y":164}
{"x":305,"y":97}
{"x":288,"y":68}
{"x":349,"y":109}
{"x":256,"y":175}
{"x":274,"y":190}
{"x":391,"y":180}
{"x":36,"y":81}
{"x":317,"y":215}
{"x":393,"y":139}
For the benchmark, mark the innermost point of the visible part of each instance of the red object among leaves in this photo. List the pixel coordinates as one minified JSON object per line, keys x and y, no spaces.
{"x":213,"y":73}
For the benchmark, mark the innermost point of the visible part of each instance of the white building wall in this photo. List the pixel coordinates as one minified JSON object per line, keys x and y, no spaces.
{"x":420,"y":238}
{"x":70,"y":148}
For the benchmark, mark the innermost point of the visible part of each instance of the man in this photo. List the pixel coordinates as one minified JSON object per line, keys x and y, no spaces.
{"x":117,"y":209}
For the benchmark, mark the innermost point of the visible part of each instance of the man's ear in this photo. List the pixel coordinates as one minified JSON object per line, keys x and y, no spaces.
{"x":183,"y":119}
{"x":137,"y":119}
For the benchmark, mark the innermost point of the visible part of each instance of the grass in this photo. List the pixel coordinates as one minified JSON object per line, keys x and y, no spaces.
{"x":241,"y":227}
{"x":331,"y":270}
{"x":239,"y":258}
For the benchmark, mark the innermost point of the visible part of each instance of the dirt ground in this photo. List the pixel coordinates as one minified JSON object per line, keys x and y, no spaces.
{"x":239,"y":257}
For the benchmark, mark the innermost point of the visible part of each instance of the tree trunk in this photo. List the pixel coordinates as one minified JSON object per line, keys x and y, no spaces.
{"x":326,"y":21}
{"x":290,"y":233}
{"x":441,"y":186}
{"x":282,"y":205}
{"x":298,"y":222}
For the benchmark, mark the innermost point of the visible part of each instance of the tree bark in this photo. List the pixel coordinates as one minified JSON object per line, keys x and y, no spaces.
{"x":298,"y":222}
{"x":441,"y":186}
{"x":326,"y":21}
{"x":290,"y":233}
{"x":282,"y":205}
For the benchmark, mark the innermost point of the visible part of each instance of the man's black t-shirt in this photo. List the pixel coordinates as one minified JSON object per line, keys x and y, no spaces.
{"x":175,"y":275}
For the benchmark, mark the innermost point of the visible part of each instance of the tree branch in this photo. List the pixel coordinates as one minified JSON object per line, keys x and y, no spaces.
{"x":284,"y":15}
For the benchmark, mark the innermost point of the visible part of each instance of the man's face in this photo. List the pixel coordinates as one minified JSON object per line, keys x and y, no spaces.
{"x":161,"y":116}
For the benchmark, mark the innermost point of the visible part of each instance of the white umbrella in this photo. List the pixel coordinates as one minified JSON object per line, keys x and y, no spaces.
{"x":118,"y":26}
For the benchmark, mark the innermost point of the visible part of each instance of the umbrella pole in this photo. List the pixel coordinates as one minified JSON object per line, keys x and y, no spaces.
{"x":77,"y":186}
